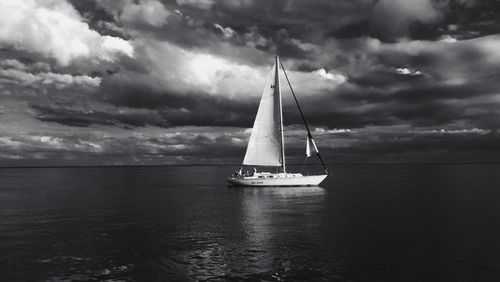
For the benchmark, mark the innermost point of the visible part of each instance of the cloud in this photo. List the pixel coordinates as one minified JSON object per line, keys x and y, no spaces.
{"x":9,"y":142}
{"x":254,"y":39}
{"x":21,"y":77}
{"x":46,"y":143}
{"x":439,"y":58}
{"x":320,"y":130}
{"x":402,"y":14}
{"x":201,"y":4}
{"x":198,"y":71}
{"x":150,"y":12}
{"x":447,"y":38}
{"x":61,"y":80}
{"x":41,"y":79}
{"x":453,"y":131}
{"x":338,"y":78}
{"x":55,"y":29}
{"x":87,"y":115}
{"x":55,"y":142}
{"x":407,"y":71}
{"x":144,"y":145}
{"x":174,"y":70}
{"x":226,"y":31}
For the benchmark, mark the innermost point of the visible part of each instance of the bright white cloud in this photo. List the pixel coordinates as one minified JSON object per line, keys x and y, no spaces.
{"x":320,"y":130}
{"x":55,"y":29}
{"x":183,"y":71}
{"x":407,"y":71}
{"x":221,"y":76}
{"x":51,"y":140}
{"x":337,"y":78}
{"x":186,"y":71}
{"x":447,"y":39}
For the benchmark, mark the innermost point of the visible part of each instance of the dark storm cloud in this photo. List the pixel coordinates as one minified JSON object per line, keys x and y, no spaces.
{"x":385,"y":79}
{"x":424,"y":20}
{"x":131,"y":104}
{"x":403,"y":143}
{"x":164,"y":111}
{"x":74,"y":115}
{"x":429,"y":146}
{"x":277,"y":27}
{"x":420,"y":83}
{"x":469,"y":19}
{"x":314,"y":21}
{"x":188,"y":109}
{"x":268,"y":26}
{"x":430,"y":105}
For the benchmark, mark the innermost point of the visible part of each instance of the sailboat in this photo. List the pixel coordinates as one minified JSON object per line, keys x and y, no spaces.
{"x":266,"y":146}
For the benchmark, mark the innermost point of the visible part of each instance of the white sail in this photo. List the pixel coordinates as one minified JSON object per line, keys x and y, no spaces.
{"x":310,"y":145}
{"x":265,"y":147}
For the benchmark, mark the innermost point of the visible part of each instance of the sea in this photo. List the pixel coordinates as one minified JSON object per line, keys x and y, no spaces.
{"x":411,"y":222}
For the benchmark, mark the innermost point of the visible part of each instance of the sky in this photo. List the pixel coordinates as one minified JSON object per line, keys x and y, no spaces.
{"x":143,"y":82}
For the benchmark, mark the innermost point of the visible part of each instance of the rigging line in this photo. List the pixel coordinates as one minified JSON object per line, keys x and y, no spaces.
{"x":302,"y":115}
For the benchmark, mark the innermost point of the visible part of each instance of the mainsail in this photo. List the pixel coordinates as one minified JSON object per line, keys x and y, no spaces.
{"x":265,"y":147}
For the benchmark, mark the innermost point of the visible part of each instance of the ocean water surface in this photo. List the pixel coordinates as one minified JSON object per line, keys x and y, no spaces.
{"x":365,"y":223}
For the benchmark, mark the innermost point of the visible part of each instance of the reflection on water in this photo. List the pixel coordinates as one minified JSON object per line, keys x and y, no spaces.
{"x":263,"y":218}
{"x":266,"y":212}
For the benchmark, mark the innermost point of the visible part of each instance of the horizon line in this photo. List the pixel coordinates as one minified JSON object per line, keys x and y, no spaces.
{"x":331,"y":165}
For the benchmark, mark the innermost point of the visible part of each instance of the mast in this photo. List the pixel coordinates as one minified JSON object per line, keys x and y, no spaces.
{"x":277,"y":87}
{"x":309,"y":135}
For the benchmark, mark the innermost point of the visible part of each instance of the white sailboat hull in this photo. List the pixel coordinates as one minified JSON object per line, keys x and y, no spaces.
{"x":280,"y":179}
